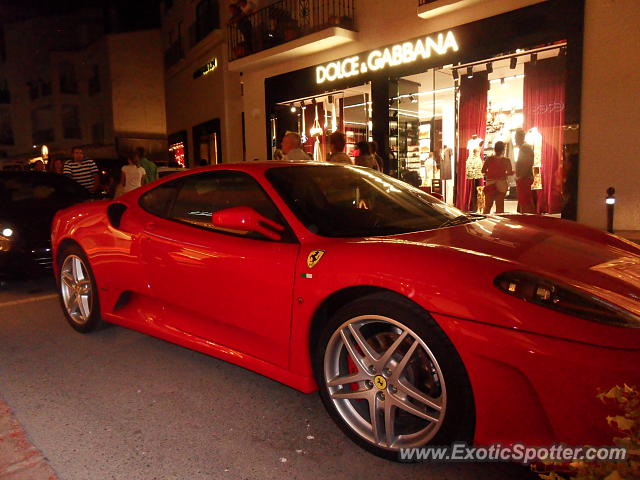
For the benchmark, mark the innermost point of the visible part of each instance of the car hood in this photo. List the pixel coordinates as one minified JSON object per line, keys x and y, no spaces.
{"x":559,"y":249}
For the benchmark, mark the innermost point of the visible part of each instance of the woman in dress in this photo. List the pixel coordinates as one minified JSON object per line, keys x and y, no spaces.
{"x":496,"y":169}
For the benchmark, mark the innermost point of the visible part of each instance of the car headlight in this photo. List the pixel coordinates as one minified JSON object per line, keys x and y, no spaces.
{"x":564,"y":298}
{"x":7,"y":235}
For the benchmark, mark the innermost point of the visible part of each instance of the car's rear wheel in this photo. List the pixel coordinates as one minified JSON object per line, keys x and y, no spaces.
{"x":78,"y":291}
{"x":391,"y":379}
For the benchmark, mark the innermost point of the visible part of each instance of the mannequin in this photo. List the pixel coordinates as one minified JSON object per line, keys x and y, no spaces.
{"x":474,"y":162}
{"x":474,"y":169}
{"x":445,"y":163}
{"x":534,"y":138}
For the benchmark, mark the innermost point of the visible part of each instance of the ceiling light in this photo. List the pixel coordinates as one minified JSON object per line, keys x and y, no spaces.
{"x":293,"y":108}
{"x":413,"y":99}
{"x":489,"y":67}
{"x":469,"y":72}
{"x":513,"y":63}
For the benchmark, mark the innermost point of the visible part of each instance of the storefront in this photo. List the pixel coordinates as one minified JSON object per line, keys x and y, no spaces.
{"x":437,"y":105}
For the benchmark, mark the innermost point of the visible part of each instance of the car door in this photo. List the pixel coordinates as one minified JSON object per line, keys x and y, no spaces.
{"x":231,"y":288}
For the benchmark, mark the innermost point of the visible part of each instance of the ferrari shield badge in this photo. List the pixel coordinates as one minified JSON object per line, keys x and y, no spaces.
{"x":314,"y":257}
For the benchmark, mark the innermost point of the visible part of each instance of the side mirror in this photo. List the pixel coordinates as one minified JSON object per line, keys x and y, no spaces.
{"x":246,"y":219}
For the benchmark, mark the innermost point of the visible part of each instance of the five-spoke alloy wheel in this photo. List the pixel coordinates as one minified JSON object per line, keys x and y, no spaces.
{"x":78,"y":292}
{"x":391,"y":379}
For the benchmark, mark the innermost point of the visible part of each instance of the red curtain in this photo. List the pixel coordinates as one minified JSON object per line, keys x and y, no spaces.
{"x":544,"y":89}
{"x":472,"y":121}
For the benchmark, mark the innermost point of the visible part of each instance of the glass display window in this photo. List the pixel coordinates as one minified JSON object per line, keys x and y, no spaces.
{"x":315,"y":118}
{"x":445,"y":125}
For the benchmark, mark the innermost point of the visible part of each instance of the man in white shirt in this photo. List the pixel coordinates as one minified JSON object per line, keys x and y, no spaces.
{"x":291,"y":147}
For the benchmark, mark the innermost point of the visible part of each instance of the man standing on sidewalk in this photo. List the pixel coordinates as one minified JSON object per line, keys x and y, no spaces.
{"x":82,"y":170}
{"x":149,"y":167}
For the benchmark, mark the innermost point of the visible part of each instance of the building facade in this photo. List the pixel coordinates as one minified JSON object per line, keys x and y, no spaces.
{"x":203,"y":98}
{"x":438,"y":83}
{"x":64,"y":82}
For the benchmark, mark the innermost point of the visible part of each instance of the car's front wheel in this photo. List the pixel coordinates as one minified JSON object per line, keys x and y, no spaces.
{"x":78,"y":291}
{"x":391,"y":379}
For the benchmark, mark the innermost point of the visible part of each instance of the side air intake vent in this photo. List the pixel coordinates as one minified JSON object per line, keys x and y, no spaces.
{"x":115,"y":212}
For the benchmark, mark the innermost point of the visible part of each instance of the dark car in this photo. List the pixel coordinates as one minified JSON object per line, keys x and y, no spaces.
{"x":28,"y":202}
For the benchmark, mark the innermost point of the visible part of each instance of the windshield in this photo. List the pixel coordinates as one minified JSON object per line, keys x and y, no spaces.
{"x":350,"y":201}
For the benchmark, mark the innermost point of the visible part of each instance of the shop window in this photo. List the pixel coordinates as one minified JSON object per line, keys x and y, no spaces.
{"x":71,"y":122}
{"x":97,"y":132}
{"x":3,"y":48}
{"x":346,"y":111}
{"x":34,"y":91}
{"x":68,"y":82}
{"x":207,"y":18}
{"x":6,"y":131}
{"x":42,"y":125}
{"x":94,"y":80}
{"x":5,"y":95}
{"x":45,"y":87}
{"x":491,"y":100}
{"x":176,"y":154}
{"x":178,"y":149}
{"x":206,"y":139}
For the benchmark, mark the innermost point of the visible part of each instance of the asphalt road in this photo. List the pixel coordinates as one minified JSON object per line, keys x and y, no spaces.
{"x":116,"y":404}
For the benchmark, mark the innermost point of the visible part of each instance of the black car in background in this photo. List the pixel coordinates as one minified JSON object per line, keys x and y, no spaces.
{"x":28,"y":202}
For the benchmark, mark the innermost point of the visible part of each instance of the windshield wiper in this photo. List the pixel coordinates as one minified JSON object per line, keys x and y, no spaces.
{"x":459,"y":220}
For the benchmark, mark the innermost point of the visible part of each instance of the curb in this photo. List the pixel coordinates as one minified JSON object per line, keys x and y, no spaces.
{"x":19,"y":458}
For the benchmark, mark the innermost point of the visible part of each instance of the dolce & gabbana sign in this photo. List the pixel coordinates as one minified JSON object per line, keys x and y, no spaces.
{"x":399,"y":54}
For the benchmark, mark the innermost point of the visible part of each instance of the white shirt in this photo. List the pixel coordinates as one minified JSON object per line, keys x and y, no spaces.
{"x":296,"y":154}
{"x":133,"y":177}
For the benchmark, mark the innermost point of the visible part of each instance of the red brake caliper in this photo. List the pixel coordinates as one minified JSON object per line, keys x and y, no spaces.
{"x":351,"y":365}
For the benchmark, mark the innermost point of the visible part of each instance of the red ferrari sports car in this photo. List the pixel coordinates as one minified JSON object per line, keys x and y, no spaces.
{"x":418,"y":324}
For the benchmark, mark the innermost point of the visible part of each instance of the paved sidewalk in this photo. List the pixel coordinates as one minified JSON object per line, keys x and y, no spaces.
{"x":19,"y":458}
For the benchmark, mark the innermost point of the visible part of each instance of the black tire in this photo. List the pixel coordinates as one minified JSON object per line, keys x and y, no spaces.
{"x":456,"y":422}
{"x":82,"y":323}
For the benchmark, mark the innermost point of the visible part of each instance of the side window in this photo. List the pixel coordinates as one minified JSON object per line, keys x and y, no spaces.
{"x":203,"y":194}
{"x":159,"y":200}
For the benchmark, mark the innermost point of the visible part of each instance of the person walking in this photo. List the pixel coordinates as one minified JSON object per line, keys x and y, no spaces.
{"x":337,"y":142}
{"x":82,"y":170}
{"x":133,"y":175}
{"x":496,"y":169}
{"x":150,"y":168}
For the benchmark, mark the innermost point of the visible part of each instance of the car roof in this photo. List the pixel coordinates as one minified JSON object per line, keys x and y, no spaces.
{"x":261,"y":166}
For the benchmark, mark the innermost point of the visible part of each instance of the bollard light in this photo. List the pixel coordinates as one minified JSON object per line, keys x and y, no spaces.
{"x":610,"y":201}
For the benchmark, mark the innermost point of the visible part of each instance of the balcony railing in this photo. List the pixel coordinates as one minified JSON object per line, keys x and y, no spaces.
{"x":284,"y":21}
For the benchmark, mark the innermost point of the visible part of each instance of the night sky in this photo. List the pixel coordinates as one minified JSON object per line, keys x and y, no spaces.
{"x":131,"y":14}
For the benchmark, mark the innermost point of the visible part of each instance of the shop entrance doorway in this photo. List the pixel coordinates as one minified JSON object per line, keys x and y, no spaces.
{"x":207,"y":146}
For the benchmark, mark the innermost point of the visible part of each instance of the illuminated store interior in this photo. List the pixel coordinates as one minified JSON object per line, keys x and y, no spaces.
{"x":444,"y":122}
